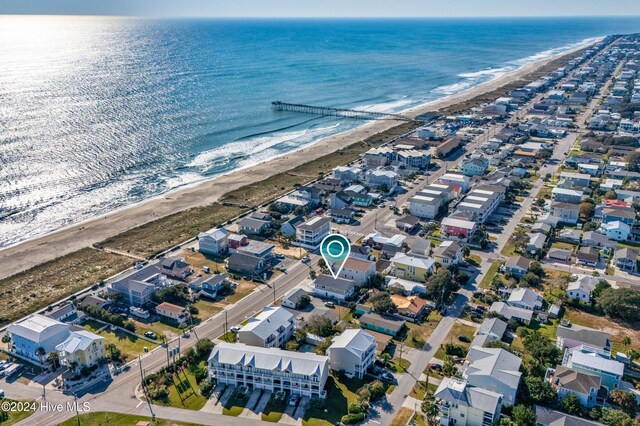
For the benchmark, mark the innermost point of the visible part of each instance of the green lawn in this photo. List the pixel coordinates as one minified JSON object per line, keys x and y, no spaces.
{"x":275,"y":409}
{"x":339,"y":396}
{"x":509,"y":248}
{"x":129,"y":345}
{"x":400,"y":365}
{"x":185,"y":392}
{"x":419,"y":390}
{"x":92,"y":325}
{"x":563,"y":246}
{"x":207,"y":309}
{"x":102,"y":418}
{"x":235,"y":405}
{"x":419,"y":333}
{"x":474,"y":260}
{"x":457,"y":330}
{"x":492,"y":272}
{"x":160,"y":328}
{"x":21,"y":414}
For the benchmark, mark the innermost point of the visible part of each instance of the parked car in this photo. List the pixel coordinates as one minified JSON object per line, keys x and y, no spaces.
{"x":293,"y":400}
{"x":150,"y":335}
{"x":387,"y":376}
{"x":464,"y":339}
{"x":235,"y":328}
{"x":330,"y":304}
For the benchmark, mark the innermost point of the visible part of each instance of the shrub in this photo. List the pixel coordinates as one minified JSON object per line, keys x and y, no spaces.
{"x":350,"y":419}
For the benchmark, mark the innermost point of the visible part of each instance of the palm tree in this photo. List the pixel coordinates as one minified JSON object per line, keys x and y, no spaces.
{"x":41,"y":352}
{"x":72,"y":366}
{"x":626,"y":340}
{"x":111,"y":347}
{"x":54,"y":359}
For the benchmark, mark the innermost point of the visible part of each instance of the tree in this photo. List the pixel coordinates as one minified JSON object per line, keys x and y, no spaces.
{"x":383,"y":304}
{"x":626,"y":340}
{"x":541,"y":349}
{"x":626,"y":401}
{"x":540,"y":391}
{"x":520,"y":239}
{"x":571,"y":404}
{"x":430,"y":409}
{"x":320,"y":326}
{"x":204,"y":347}
{"x":114,"y":352}
{"x":449,"y":367}
{"x":633,"y":162}
{"x":530,"y":280}
{"x":54,"y":359}
{"x":586,"y":210}
{"x":610,"y":195}
{"x":599,"y":288}
{"x":322,"y":347}
{"x":439,"y":286}
{"x":621,"y":303}
{"x":303,"y":301}
{"x":40,"y":351}
{"x":536,"y":268}
{"x":523,"y":416}
{"x":615,"y":418}
{"x":632,"y":354}
{"x":312,"y":274}
{"x":466,"y":251}
{"x":496,"y":283}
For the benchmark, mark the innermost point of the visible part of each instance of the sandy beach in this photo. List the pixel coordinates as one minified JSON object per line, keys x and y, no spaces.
{"x":47,"y":247}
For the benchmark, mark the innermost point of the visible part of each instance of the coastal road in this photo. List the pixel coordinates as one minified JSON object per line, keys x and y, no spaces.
{"x":119,"y":395}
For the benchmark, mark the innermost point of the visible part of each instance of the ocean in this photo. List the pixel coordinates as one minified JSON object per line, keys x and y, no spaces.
{"x":100,"y":113}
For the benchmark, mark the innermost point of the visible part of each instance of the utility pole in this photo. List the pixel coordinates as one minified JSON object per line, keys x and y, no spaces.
{"x":144,"y":389}
{"x":225,"y":323}
{"x":75,"y":405}
{"x":400,"y":362}
{"x":274,"y":291}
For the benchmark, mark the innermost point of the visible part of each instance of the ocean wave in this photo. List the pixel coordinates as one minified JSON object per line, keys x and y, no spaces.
{"x":391,"y":106}
{"x":554,"y":51}
{"x":489,"y":72}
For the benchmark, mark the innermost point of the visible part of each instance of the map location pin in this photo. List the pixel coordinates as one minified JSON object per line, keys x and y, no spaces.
{"x":335,"y":249}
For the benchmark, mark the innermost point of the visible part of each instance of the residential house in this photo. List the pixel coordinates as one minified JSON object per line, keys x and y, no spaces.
{"x":596,"y":239}
{"x":565,"y":195}
{"x":175,"y":267}
{"x":311,"y":233}
{"x":209,"y":286}
{"x":598,"y":362}
{"x":247,"y":265}
{"x":580,"y":289}
{"x":542,"y":227}
{"x":66,"y":312}
{"x":215,"y":241}
{"x":333,"y":288}
{"x":566,"y":212}
{"x":236,"y":241}
{"x":616,"y":230}
{"x":493,"y":369}
{"x":475,"y":166}
{"x":418,"y":158}
{"x":626,"y":259}
{"x":507,"y":311}
{"x":459,"y":229}
{"x":409,"y":288}
{"x":81,"y":348}
{"x":567,"y":381}
{"x":572,"y":236}
{"x":382,"y":324}
{"x":258,"y":249}
{"x":548,"y":417}
{"x":136,"y":293}
{"x":342,"y":215}
{"x":271,"y":328}
{"x":536,"y":242}
{"x":34,"y":332}
{"x":448,"y":253}
{"x":589,"y":169}
{"x":179,"y":314}
{"x":525,"y":298}
{"x":95,"y":302}
{"x":347,"y":175}
{"x":626,"y":215}
{"x":578,"y":179}
{"x":561,"y":255}
{"x":292,"y":297}
{"x":447,"y":147}
{"x":425,"y":206}
{"x":462,"y":404}
{"x":518,"y":266}
{"x":361,"y":252}
{"x":588,"y":256}
{"x":380,"y":178}
{"x":270,"y":369}
{"x":288,"y":228}
{"x":352,"y":352}
{"x":458,"y":182}
{"x":357,"y":270}
{"x":412,"y":307}
{"x":255,"y":224}
{"x":491,"y":330}
{"x":408,"y":223}
{"x":573,"y":335}
{"x":411,"y":267}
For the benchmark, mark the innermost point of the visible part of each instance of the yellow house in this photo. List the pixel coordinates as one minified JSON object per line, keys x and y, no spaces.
{"x":81,"y":347}
{"x":412,"y":268}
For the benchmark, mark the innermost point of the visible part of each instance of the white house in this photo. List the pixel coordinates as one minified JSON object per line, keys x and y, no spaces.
{"x":616,"y":230}
{"x":598,"y":362}
{"x":525,"y":298}
{"x":581,"y":288}
{"x":333,"y":288}
{"x":425,"y":206}
{"x":462,"y":404}
{"x":567,"y":381}
{"x":179,"y":314}
{"x":311,"y":233}
{"x":272,"y":328}
{"x":352,"y":352}
{"x":215,"y":241}
{"x":291,"y":298}
{"x":271,"y":369}
{"x":357,"y":270}
{"x":493,"y":369}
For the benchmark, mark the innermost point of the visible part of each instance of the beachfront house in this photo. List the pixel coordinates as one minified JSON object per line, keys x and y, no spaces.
{"x":81,"y":348}
{"x":34,"y":332}
{"x":311,"y":233}
{"x":215,"y":241}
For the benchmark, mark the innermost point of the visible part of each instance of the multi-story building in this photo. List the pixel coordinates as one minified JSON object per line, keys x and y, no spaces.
{"x":34,"y":332}
{"x":459,"y":229}
{"x":179,"y":314}
{"x":357,"y":270}
{"x":464,"y":405}
{"x":272,"y":328}
{"x":493,"y":369}
{"x":566,"y":212}
{"x":411,"y":267}
{"x":271,"y":369}
{"x":82,"y":348}
{"x":425,"y":206}
{"x":594,"y":361}
{"x":311,"y":233}
{"x":215,"y":241}
{"x":333,"y":288}
{"x":352,"y":352}
{"x":568,"y":381}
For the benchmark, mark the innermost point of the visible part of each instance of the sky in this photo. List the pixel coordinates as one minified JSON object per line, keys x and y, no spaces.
{"x":324,"y":8}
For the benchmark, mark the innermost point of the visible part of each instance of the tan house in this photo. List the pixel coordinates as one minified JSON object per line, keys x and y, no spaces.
{"x":174,"y":312}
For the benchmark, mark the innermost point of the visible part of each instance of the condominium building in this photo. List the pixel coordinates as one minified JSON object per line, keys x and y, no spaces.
{"x":271,"y":369}
{"x":352,"y":352}
{"x":272,"y":328}
{"x":310,"y":233}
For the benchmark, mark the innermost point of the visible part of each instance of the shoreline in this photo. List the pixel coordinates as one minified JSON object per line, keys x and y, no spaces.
{"x":29,"y":253}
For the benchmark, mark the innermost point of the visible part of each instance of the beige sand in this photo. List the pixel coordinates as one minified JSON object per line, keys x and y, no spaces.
{"x":41,"y":249}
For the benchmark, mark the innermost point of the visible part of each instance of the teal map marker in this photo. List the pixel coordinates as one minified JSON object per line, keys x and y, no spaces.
{"x":335,"y":249}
